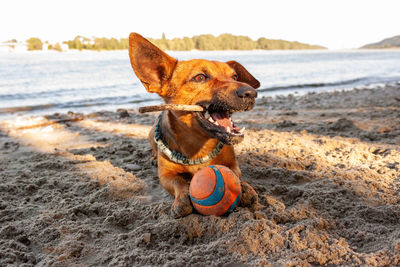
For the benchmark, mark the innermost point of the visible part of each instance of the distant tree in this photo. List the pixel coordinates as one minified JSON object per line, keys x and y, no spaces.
{"x":270,"y":44}
{"x":113,"y":44}
{"x":75,"y":43}
{"x":164,"y":43}
{"x":124,"y":43}
{"x":205,"y":42}
{"x":34,"y":44}
{"x":57,"y":47}
{"x":188,"y":43}
{"x":232,"y":42}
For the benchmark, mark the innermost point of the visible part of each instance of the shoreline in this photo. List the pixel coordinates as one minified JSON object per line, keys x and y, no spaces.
{"x":325,"y":165}
{"x":275,"y":92}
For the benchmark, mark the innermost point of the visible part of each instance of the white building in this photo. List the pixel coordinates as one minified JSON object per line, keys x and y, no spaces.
{"x":13,"y":47}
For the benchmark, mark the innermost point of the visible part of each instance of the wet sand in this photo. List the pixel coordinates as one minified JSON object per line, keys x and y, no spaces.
{"x":326,"y":167}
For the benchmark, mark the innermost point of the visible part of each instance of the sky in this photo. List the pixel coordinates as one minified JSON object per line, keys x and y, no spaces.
{"x":336,"y":24}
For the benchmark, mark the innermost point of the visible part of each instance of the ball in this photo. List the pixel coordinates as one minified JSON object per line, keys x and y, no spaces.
{"x":215,"y":190}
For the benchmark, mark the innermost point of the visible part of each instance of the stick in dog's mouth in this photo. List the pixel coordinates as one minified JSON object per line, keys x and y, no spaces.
{"x":177,"y":107}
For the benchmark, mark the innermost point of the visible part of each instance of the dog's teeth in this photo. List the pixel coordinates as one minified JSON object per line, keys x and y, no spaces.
{"x":207,"y":115}
{"x":228,"y":129}
{"x":242,"y":130}
{"x":216,"y":123}
{"x":211,"y":119}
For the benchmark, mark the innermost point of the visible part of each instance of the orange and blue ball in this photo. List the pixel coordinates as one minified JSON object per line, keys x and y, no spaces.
{"x":215,"y":190}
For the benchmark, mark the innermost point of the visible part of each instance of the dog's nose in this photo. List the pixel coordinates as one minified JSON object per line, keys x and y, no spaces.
{"x":246,"y":92}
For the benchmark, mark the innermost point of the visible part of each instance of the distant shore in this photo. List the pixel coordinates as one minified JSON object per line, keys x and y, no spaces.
{"x":206,"y":42}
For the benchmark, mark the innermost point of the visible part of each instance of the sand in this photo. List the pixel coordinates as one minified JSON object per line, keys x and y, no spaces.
{"x":325,"y":166}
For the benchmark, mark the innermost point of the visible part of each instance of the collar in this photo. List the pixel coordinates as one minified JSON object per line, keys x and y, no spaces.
{"x":178,"y":157}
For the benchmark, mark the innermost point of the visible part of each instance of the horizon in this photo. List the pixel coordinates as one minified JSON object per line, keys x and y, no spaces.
{"x":332,"y":24}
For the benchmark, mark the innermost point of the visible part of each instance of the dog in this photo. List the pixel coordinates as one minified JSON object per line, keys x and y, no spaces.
{"x":182,"y":141}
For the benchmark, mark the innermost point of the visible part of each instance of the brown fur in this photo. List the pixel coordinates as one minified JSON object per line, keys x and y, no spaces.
{"x":173,"y":81}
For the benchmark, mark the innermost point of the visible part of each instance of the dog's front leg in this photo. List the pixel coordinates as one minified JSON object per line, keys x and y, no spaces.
{"x":249,"y":195}
{"x":178,"y":187}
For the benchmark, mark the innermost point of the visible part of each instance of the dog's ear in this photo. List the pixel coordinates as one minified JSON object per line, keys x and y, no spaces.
{"x":243,"y":74}
{"x":152,"y":66}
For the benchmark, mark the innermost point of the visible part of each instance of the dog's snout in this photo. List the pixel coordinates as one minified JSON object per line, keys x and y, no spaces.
{"x":246,"y":92}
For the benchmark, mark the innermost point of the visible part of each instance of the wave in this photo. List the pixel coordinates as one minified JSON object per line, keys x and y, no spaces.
{"x":313,"y":85}
{"x":105,"y":101}
{"x":365,"y":81}
{"x":63,"y":91}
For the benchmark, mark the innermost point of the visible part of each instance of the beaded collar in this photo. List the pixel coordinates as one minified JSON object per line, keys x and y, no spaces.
{"x":178,"y":157}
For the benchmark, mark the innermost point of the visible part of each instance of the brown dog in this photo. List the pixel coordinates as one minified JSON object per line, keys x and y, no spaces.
{"x":183,"y":141}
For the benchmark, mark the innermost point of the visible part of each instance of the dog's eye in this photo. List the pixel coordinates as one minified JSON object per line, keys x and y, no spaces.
{"x":235,"y":77}
{"x":201,"y":77}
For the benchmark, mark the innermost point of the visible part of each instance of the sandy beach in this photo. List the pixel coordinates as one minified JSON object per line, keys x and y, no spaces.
{"x":326,"y":167}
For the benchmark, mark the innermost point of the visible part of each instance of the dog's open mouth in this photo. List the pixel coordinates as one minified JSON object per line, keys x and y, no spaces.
{"x":222,"y":120}
{"x":219,"y":124}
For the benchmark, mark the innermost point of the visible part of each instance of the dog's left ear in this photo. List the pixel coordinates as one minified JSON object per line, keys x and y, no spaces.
{"x":152,"y":66}
{"x":243,"y":74}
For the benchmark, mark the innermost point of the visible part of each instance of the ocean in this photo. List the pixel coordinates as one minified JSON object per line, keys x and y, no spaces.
{"x":88,"y":81}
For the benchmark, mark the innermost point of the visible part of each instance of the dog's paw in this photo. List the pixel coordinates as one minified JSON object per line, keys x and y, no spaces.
{"x":181,"y":207}
{"x":249,"y":195}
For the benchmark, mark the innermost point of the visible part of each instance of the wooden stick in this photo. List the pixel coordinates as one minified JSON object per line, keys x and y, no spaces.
{"x":171,"y":107}
{"x":49,"y":123}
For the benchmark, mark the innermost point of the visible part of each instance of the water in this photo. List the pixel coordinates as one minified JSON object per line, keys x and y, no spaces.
{"x":44,"y":82}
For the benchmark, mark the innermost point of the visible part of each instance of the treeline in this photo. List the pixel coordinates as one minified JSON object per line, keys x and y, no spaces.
{"x":199,"y":42}
{"x":81,"y":43}
{"x":227,"y":42}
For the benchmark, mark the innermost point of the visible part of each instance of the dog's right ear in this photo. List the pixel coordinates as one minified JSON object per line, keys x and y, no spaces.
{"x":152,"y":66}
{"x":243,"y":74}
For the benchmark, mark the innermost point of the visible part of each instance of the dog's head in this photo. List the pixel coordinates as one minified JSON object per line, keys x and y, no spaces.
{"x":220,"y":88}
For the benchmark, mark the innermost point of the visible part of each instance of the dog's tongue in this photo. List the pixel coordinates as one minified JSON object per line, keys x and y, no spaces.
{"x":222,"y":118}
